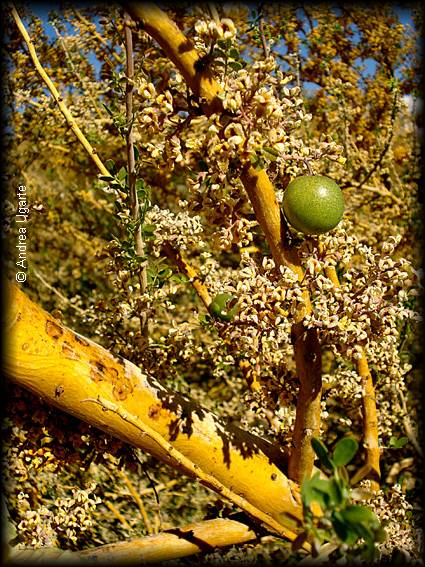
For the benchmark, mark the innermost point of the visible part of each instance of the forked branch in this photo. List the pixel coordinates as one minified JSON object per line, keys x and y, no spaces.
{"x":262,"y":195}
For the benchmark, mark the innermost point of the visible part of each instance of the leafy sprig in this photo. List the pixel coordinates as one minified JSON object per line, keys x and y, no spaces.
{"x":354,"y":528}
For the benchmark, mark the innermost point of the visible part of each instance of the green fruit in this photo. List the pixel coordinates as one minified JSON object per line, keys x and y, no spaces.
{"x":313,"y":204}
{"x":224,"y":306}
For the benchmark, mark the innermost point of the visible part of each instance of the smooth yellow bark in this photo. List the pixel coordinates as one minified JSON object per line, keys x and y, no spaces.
{"x":67,"y":370}
{"x":201,"y":537}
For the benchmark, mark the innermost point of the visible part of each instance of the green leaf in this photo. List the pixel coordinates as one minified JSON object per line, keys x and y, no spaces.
{"x":165,"y":273}
{"x":115,"y":184}
{"x":149,"y":228}
{"x":140,"y":259}
{"x":344,"y":477}
{"x":254,"y":159}
{"x":270,"y":150}
{"x":363,"y":531}
{"x":380,"y":535}
{"x":108,"y":110}
{"x":337,"y":494}
{"x":224,"y":306}
{"x":179,"y":278}
{"x":235,"y":65}
{"x":110,"y":165}
{"x":122,"y":174}
{"x":322,"y":453}
{"x":219,"y":53}
{"x":140,"y":184}
{"x":357,"y":514}
{"x":317,"y":490}
{"x":398,"y":443}
{"x":142,"y":189}
{"x":343,"y":529}
{"x":344,"y":451}
{"x":309,"y":493}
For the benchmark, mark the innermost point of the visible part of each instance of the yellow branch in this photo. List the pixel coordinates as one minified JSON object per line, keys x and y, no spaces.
{"x":188,"y":270}
{"x":118,"y":515}
{"x":174,"y":543}
{"x":260,"y":190}
{"x":180,"y":51}
{"x":65,"y":369}
{"x":308,"y":358}
{"x":257,"y":184}
{"x":138,"y":501}
{"x":184,"y":463}
{"x":262,"y":195}
{"x":57,"y":96}
{"x":371,"y":469}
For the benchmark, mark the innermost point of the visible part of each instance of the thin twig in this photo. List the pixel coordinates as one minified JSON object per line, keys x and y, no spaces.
{"x":186,"y":269}
{"x":213,"y":11}
{"x":118,"y":515}
{"x":97,"y":35}
{"x":58,"y":293}
{"x":387,"y":143}
{"x":57,"y":96}
{"x":262,"y":35}
{"x":75,"y":71}
{"x":158,"y":487}
{"x":131,"y":164}
{"x":408,"y":426}
{"x":138,"y":501}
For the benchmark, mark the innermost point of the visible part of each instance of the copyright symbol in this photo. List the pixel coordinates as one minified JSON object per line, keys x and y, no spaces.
{"x":21,"y":277}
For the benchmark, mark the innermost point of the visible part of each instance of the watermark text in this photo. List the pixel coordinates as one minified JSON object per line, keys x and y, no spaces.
{"x":21,"y":219}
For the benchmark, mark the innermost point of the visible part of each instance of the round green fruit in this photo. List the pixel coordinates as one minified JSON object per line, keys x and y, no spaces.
{"x":313,"y":204}
{"x":224,"y":306}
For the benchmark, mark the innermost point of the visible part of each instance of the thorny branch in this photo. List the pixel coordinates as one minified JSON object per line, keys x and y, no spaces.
{"x":262,"y":35}
{"x":387,"y":143}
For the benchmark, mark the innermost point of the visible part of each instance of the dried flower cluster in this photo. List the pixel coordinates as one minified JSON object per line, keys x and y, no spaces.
{"x":69,"y":518}
{"x":295,"y":100}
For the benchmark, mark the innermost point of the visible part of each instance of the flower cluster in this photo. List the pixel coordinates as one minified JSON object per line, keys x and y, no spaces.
{"x":351,"y":127}
{"x":181,"y":230}
{"x":395,"y":512}
{"x":70,"y":518}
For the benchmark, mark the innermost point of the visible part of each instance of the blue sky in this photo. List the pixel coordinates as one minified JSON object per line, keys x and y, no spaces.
{"x":42,"y":10}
